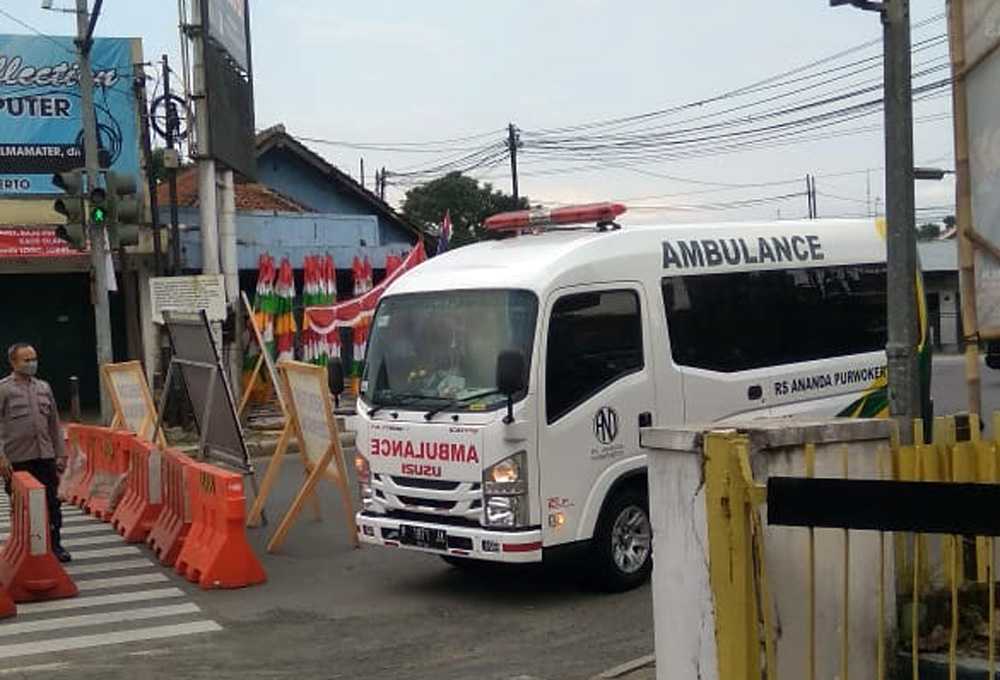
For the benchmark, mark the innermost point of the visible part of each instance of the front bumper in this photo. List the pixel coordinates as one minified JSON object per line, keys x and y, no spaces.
{"x":473,"y":543}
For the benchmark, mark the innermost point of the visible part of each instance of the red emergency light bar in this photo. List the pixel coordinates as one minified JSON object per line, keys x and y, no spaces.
{"x":600,"y":213}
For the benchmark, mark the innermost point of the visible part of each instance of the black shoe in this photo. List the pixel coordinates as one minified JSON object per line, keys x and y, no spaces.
{"x":61,"y":554}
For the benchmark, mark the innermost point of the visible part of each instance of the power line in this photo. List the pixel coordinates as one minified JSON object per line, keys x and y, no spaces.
{"x":748,"y":89}
{"x":36,"y":31}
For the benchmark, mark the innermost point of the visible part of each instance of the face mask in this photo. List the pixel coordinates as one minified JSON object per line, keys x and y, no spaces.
{"x":28,"y":368}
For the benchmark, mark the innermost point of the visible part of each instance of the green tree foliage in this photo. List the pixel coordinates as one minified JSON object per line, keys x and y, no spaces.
{"x":469,"y":202}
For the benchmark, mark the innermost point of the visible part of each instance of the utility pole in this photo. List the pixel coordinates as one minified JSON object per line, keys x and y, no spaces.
{"x":901,"y":242}
{"x":147,"y":152}
{"x":381,"y":190}
{"x":812,"y":195}
{"x":904,"y":377}
{"x":362,"y":172}
{"x":512,"y":142}
{"x":171,"y":127}
{"x":809,"y":198}
{"x":98,"y":244}
{"x":207,"y":212}
{"x":868,"y":192}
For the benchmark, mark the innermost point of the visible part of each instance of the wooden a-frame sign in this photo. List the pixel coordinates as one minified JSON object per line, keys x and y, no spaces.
{"x":132,"y":400}
{"x":263,"y":362}
{"x":312,"y":422}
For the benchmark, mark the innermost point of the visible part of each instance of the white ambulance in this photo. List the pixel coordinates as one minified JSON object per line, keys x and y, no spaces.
{"x":506,"y":382}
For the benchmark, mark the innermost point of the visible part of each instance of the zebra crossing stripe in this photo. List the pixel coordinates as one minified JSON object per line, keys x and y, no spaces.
{"x":104,"y":639}
{"x":21,"y":627}
{"x":79,"y":555}
{"x":29,"y":608}
{"x":92,"y":540}
{"x":118,"y":565}
{"x":118,"y":581}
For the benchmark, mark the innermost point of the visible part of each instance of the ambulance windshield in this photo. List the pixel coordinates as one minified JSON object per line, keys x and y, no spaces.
{"x":426,"y":348}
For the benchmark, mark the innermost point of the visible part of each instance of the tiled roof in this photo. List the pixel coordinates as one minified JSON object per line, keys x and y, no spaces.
{"x":249,"y":195}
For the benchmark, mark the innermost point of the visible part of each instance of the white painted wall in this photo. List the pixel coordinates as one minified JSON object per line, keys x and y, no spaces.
{"x":682,"y":602}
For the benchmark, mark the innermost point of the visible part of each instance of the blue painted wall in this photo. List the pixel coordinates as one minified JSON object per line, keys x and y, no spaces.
{"x":290,"y":175}
{"x":295,"y":235}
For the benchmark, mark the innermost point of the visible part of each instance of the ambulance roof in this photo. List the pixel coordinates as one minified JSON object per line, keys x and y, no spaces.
{"x":540,"y":262}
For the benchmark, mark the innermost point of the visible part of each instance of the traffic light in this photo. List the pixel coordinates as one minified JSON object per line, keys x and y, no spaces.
{"x":98,"y":206}
{"x":72,"y":206}
{"x":126,"y":209}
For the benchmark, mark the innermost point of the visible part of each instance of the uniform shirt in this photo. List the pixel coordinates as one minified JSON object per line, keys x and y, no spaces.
{"x":29,"y":420}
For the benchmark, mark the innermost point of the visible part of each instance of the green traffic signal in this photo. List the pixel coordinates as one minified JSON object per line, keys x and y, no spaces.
{"x":98,"y":215}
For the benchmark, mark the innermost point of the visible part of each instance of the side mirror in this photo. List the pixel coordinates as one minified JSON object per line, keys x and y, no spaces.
{"x":510,"y":378}
{"x":335,"y":377}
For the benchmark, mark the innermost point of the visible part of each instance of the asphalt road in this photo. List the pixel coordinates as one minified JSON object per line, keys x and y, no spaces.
{"x":330,"y":611}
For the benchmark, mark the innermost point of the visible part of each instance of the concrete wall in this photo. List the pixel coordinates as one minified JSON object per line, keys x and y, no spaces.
{"x":683,"y":604}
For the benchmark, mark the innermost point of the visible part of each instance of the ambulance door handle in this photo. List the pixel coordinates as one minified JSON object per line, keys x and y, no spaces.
{"x":645,"y":419}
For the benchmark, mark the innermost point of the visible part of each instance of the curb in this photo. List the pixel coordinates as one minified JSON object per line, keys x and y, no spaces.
{"x":627,"y":667}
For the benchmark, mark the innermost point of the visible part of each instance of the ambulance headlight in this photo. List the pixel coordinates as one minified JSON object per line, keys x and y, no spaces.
{"x":509,"y":477}
{"x":505,"y":493}
{"x":364,"y":477}
{"x":506,"y":511}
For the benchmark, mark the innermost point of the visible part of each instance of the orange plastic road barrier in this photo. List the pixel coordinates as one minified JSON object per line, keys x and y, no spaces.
{"x":76,"y":466}
{"x":172,"y":525}
{"x":143,"y":499}
{"x":7,"y":606}
{"x":90,"y":440}
{"x":110,"y":466}
{"x":216,"y":553}
{"x":28,"y":569}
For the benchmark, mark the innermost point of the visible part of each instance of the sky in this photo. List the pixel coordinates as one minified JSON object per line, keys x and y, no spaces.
{"x":402,"y":74}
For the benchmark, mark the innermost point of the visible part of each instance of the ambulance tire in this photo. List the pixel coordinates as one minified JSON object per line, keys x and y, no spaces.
{"x":622,"y":547}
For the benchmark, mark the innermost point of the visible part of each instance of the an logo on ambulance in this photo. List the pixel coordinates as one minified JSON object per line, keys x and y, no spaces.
{"x":606,"y":425}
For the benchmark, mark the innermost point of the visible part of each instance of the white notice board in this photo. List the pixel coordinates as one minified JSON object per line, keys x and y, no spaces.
{"x":189,"y":294}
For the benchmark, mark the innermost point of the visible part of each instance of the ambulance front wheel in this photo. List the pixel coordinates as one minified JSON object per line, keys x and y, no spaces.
{"x":623,"y":543}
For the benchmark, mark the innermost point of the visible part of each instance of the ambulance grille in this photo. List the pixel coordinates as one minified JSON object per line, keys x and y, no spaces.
{"x":427,"y":502}
{"x":415,"y":483}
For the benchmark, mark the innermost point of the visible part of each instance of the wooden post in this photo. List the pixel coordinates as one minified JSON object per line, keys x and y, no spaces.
{"x":966,"y":251}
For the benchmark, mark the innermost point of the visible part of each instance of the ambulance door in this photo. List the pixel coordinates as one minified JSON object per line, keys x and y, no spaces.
{"x":597,"y":388}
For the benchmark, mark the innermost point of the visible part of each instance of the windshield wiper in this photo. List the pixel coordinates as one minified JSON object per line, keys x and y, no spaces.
{"x":403,"y":399}
{"x":455,"y":402}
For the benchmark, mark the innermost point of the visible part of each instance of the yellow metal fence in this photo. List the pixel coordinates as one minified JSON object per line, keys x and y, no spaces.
{"x":746,"y":631}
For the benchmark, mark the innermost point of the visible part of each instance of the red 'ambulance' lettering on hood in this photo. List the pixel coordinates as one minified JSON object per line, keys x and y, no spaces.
{"x":443,"y":451}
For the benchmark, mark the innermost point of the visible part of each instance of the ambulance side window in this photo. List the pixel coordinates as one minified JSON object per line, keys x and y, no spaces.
{"x":746,"y":320}
{"x":595,"y":338}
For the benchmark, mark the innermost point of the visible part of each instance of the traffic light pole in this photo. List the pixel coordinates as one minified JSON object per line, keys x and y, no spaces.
{"x":98,"y":251}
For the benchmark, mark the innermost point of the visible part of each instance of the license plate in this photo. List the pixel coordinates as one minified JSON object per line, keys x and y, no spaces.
{"x":423,"y":537}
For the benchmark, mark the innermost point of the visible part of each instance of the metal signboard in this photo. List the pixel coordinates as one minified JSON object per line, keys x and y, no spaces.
{"x":227,"y":25}
{"x":230,"y":113}
{"x":196,"y":355}
{"x":40,"y":123}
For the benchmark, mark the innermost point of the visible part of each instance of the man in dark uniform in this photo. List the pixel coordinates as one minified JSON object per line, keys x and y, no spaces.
{"x":31,"y":438}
